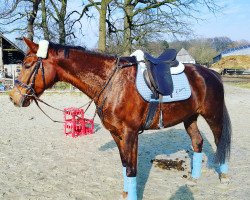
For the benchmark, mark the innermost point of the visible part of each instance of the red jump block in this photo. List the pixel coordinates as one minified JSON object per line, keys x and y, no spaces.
{"x":75,"y":124}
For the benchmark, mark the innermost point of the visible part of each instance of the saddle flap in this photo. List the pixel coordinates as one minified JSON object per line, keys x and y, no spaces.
{"x":163,"y":79}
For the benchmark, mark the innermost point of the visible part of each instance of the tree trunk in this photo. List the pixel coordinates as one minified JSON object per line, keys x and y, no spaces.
{"x":62,"y":31}
{"x":44,"y":22}
{"x":102,"y":26}
{"x":31,"y":19}
{"x":1,"y":54}
{"x":127,"y":36}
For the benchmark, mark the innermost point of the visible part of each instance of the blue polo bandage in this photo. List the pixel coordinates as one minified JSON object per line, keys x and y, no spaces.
{"x":197,"y":163}
{"x":132,"y":191}
{"x":224,"y":168}
{"x":125,"y":179}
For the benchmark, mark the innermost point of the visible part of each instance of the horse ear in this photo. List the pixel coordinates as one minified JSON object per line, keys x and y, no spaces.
{"x":32,"y":46}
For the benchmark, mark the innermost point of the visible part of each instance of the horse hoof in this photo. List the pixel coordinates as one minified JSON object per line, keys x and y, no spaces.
{"x":124,"y":195}
{"x":191,"y":181}
{"x":224,"y":178}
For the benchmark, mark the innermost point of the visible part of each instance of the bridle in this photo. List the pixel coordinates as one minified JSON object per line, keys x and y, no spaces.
{"x":30,"y":91}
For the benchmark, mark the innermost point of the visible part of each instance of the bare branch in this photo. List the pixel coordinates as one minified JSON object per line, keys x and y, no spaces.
{"x":95,"y":4}
{"x":12,"y":9}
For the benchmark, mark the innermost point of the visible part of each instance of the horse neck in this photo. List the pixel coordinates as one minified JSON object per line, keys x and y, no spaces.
{"x":87,"y":71}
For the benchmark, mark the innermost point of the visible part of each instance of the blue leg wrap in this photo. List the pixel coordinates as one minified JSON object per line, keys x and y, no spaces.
{"x":224,"y":168}
{"x":197,"y":163}
{"x":125,"y":180}
{"x":132,"y":191}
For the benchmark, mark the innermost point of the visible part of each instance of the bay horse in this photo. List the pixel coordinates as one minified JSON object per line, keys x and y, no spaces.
{"x":121,"y":109}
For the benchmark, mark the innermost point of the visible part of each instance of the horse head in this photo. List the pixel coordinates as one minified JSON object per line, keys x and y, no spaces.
{"x":37,"y":74}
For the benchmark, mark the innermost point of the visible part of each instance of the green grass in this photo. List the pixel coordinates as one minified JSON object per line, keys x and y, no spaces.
{"x":62,"y":86}
{"x":73,"y":93}
{"x":4,"y":93}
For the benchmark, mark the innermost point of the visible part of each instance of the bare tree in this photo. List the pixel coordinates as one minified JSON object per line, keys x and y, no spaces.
{"x":53,"y":19}
{"x":31,"y":19}
{"x":59,"y":15}
{"x":44,"y":22}
{"x":65,"y":19}
{"x":158,"y":17}
{"x":202,"y":51}
{"x":102,"y":7}
{"x":19,"y":12}
{"x":7,"y":7}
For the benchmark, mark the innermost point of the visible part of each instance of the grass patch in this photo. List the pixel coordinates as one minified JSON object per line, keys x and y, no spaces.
{"x":61,"y":86}
{"x":61,"y":92}
{"x":4,"y":93}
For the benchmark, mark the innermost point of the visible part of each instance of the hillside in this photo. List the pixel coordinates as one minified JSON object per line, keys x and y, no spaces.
{"x":235,"y":62}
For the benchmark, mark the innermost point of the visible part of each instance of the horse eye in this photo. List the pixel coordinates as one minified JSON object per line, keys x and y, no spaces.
{"x":26,"y":66}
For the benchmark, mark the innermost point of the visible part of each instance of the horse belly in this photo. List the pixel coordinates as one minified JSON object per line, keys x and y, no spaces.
{"x":174,"y":113}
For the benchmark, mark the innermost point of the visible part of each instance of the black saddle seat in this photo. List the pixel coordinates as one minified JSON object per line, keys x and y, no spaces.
{"x":158,"y":74}
{"x":168,"y":56}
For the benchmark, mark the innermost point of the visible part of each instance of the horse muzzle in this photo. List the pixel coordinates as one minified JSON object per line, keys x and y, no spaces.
{"x":19,"y":99}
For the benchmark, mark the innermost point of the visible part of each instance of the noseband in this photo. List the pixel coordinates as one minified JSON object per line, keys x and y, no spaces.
{"x":30,"y":91}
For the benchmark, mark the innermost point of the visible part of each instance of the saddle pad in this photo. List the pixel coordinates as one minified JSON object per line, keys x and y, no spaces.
{"x":181,"y":91}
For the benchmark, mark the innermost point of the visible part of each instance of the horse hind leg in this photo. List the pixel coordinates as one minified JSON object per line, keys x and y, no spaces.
{"x":220,"y":125}
{"x":197,"y":143}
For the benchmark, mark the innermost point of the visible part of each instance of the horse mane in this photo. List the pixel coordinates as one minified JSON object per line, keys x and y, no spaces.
{"x":67,"y":48}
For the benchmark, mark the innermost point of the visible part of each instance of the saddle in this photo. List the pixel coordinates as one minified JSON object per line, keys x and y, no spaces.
{"x":158,"y":75}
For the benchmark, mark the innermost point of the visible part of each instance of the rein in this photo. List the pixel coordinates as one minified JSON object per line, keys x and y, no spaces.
{"x":117,"y":67}
{"x":33,"y":95}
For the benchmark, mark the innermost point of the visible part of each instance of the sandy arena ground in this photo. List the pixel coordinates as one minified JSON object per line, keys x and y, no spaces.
{"x":37,"y":161}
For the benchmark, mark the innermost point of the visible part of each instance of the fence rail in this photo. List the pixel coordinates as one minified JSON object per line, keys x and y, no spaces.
{"x":7,"y":84}
{"x":236,"y":71}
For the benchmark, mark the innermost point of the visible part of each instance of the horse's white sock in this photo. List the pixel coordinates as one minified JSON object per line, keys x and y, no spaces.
{"x":224,"y":168}
{"x":132,"y":190}
{"x":125,"y":180}
{"x":197,"y":163}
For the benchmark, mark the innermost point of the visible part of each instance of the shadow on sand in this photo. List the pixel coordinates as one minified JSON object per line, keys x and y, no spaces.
{"x":164,"y":142}
{"x":182,"y":193}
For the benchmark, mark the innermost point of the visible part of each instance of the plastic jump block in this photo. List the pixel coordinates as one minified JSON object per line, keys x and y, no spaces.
{"x":75,"y":124}
{"x":74,"y":129}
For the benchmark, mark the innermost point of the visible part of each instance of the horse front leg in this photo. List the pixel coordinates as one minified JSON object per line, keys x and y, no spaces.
{"x":131,"y":151}
{"x":120,"y":144}
{"x":128,"y":149}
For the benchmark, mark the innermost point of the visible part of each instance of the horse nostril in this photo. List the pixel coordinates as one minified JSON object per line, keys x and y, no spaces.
{"x":11,"y":99}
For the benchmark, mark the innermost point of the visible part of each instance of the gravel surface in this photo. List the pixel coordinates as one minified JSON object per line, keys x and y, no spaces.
{"x":37,"y":161}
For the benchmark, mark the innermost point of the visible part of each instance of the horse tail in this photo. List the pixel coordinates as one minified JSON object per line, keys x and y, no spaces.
{"x":224,"y":145}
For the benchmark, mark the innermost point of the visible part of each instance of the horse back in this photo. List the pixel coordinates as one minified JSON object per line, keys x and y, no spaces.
{"x":126,"y":108}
